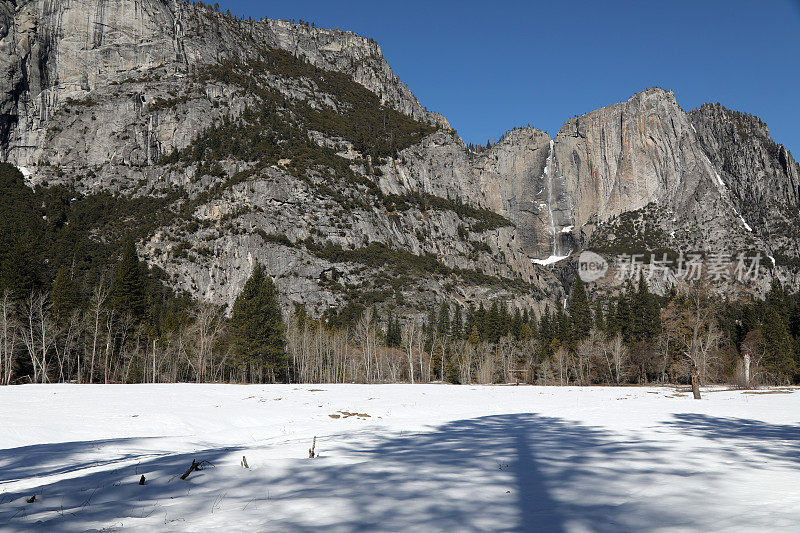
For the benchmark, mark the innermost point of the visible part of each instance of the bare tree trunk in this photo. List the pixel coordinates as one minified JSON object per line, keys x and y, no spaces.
{"x":695,"y":386}
{"x":36,"y":335}
{"x":410,"y":334}
{"x":747,"y":369}
{"x":8,"y":335}
{"x":99,"y":297}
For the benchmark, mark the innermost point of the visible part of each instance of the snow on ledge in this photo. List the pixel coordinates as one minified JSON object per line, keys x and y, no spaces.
{"x":568,"y":229}
{"x":549,"y":261}
{"x":746,"y":225}
{"x":719,"y":179}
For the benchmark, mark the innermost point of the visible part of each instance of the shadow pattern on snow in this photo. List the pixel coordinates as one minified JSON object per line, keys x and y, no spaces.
{"x":529,"y":472}
{"x":773,"y":441}
{"x":105,"y":499}
{"x":516,"y":472}
{"x":55,"y":459}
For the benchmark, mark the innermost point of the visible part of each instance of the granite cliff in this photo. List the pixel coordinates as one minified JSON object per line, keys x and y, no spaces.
{"x":298,"y":147}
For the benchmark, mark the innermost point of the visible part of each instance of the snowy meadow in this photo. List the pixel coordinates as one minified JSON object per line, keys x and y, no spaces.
{"x":398,"y":458}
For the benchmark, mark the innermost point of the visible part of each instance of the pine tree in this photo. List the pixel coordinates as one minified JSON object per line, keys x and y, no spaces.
{"x":545,"y":326}
{"x":257,"y":327}
{"x":430,"y":325}
{"x":580,"y":311}
{"x":563,"y":326}
{"x":443,"y":327}
{"x":129,"y":294}
{"x":516,"y":324}
{"x":611,"y":321}
{"x":480,"y":321}
{"x":777,"y":298}
{"x":474,"y":336}
{"x":471,"y":320}
{"x":778,"y":346}
{"x":393,"y":331}
{"x":525,"y":331}
{"x":624,"y":318}
{"x":599,"y":317}
{"x":458,"y":323}
{"x":398,"y":332}
{"x":64,"y":295}
{"x":493,"y":323}
{"x":504,"y":322}
{"x":645,"y":313}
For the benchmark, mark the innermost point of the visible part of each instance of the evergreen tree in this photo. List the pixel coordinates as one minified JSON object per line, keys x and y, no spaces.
{"x":480,"y":321}
{"x":563,"y":326}
{"x":504,"y":322}
{"x":599,"y":317}
{"x":516,"y":324}
{"x":257,"y":327}
{"x":430,"y":325}
{"x":545,"y":326}
{"x":778,"y":346}
{"x":492,"y":333}
{"x":397,"y":333}
{"x":645,"y":319}
{"x":458,"y":323}
{"x":129,"y":294}
{"x":444,"y":320}
{"x":580,"y":311}
{"x":64,"y":295}
{"x":22,"y":231}
{"x":390,"y":339}
{"x":624,"y":317}
{"x":471,"y":320}
{"x":611,"y":321}
{"x":301,"y":316}
{"x":525,"y":332}
{"x":474,"y":336}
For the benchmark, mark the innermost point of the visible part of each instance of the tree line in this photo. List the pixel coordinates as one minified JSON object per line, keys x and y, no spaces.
{"x":634,"y":337}
{"x":123,"y":334}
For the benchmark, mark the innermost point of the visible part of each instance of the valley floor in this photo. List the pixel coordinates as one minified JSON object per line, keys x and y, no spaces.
{"x":398,"y":457}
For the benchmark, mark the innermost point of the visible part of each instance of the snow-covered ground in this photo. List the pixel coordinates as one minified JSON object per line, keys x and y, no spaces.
{"x":398,"y":458}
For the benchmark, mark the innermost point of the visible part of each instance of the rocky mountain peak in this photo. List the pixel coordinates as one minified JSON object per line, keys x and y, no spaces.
{"x":299,"y":147}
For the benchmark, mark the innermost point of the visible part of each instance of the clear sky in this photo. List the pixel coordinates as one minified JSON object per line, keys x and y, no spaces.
{"x":491,"y":65}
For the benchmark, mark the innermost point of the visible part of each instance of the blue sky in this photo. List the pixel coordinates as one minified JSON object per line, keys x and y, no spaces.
{"x":491,"y":65}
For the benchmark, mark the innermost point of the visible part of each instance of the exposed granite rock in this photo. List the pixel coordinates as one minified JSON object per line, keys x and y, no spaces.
{"x":55,"y":51}
{"x":762,"y":176}
{"x":93,"y":94}
{"x":506,"y":178}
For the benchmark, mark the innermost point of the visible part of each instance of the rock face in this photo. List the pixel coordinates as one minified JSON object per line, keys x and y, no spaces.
{"x":506,"y":178}
{"x":377,"y":200}
{"x":56,"y":51}
{"x":625,"y":156}
{"x":763,"y":176}
{"x":96,"y":94}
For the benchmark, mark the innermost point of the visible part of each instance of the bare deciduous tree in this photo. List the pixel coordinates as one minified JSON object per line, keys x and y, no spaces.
{"x":38,"y":333}
{"x":8,"y":336}
{"x":411,"y":338}
{"x":207,"y":327}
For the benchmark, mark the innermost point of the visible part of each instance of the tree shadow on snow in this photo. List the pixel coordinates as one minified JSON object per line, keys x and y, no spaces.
{"x":105,"y":494}
{"x":773,"y":441}
{"x":60,"y":458}
{"x":516,"y":472}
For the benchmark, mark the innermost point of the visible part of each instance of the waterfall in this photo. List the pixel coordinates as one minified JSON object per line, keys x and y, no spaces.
{"x":548,"y":175}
